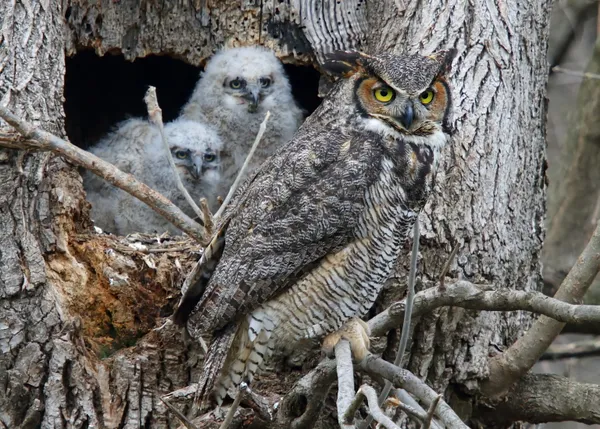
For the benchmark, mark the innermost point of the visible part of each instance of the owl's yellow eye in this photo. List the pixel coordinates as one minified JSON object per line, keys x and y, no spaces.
{"x":426,"y":97}
{"x":385,"y":94}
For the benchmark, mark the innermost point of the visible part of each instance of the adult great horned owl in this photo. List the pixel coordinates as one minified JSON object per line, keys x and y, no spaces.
{"x":311,"y":237}
{"x":236,"y":90}
{"x":136,"y":147}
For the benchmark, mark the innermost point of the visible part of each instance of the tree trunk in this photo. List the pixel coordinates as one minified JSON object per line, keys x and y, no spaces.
{"x":78,"y":308}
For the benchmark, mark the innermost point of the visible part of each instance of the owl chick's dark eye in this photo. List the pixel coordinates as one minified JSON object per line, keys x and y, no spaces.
{"x":265,"y":82}
{"x":209,"y":157}
{"x":237,"y":83}
{"x":182,"y":154}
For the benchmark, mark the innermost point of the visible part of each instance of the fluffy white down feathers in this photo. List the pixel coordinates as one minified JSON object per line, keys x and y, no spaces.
{"x":135,"y":146}
{"x":234,"y":93}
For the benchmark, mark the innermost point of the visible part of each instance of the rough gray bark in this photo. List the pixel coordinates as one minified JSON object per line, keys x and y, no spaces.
{"x":73,"y":304}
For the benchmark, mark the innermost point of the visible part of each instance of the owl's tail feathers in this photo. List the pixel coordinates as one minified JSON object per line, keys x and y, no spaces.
{"x":197,"y":280}
{"x":215,"y":364}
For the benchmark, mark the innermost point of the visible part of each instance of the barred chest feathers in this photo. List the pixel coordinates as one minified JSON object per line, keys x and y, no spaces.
{"x":344,"y":284}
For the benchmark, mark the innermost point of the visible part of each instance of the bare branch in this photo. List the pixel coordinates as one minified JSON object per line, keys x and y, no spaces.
{"x":368,"y":393}
{"x":308,"y":393}
{"x":155,"y":115}
{"x":430,"y":412}
{"x":242,"y":172}
{"x":42,"y":140}
{"x":480,"y":297}
{"x":511,"y":365}
{"x":541,"y":398}
{"x":402,"y":378}
{"x":575,"y":349}
{"x":345,"y":375}
{"x":407,"y":404}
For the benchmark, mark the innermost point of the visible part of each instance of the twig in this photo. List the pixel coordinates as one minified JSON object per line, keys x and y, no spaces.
{"x":402,"y":378}
{"x":576,"y":349}
{"x":410,"y":296}
{"x":43,"y":140}
{"x":587,"y":75}
{"x":234,"y":406}
{"x":345,"y":374}
{"x":430,"y":412}
{"x":242,"y":172}
{"x":207,"y":217}
{"x":368,"y":393}
{"x":155,"y":115}
{"x":411,"y":407}
{"x":447,"y":264}
{"x":511,"y":365}
{"x":186,"y":422}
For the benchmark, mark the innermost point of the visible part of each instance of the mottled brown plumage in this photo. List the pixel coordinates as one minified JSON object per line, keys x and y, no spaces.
{"x":311,"y":237}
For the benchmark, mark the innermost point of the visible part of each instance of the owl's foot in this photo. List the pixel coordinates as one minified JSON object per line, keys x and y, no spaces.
{"x":357,"y":332}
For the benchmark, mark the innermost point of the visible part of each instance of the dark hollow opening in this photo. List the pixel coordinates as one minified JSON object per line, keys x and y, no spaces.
{"x":102,"y":91}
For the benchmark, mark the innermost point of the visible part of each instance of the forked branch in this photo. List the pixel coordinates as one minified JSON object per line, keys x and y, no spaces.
{"x":42,"y":140}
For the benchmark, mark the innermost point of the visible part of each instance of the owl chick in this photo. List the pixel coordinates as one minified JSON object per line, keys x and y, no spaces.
{"x":234,"y":93}
{"x":136,"y":147}
{"x":311,"y":237}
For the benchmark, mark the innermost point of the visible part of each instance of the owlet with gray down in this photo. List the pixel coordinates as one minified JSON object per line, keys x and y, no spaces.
{"x":234,"y":93}
{"x":311,"y":237}
{"x":136,"y":147}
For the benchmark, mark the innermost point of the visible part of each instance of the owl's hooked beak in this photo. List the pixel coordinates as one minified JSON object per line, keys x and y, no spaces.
{"x":408,"y":116}
{"x":253,"y":96}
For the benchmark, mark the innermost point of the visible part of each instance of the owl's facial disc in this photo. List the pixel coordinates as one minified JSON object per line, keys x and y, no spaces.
{"x":398,"y":112}
{"x":249,"y":90}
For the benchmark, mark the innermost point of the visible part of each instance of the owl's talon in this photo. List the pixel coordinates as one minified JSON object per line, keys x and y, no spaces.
{"x":356,"y":332}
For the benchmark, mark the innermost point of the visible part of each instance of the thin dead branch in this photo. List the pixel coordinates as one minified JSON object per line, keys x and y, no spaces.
{"x":368,"y":393}
{"x":242,"y":173}
{"x":42,"y":140}
{"x":508,"y":367}
{"x":399,"y":377}
{"x":577,"y":349}
{"x":155,"y":116}
{"x":430,"y":412}
{"x":569,"y":72}
{"x":406,"y":403}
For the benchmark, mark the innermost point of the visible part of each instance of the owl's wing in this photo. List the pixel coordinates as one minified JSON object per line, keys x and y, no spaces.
{"x":302,"y":204}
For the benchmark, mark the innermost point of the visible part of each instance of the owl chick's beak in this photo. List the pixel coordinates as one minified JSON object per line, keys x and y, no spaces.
{"x":197,"y":169}
{"x":253,"y":96}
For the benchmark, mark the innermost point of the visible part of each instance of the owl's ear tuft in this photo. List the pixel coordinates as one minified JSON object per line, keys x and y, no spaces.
{"x":342,"y":63}
{"x":445,"y":59}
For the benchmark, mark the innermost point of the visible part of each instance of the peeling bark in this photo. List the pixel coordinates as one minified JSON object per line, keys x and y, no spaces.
{"x":78,"y":309}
